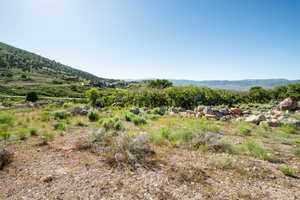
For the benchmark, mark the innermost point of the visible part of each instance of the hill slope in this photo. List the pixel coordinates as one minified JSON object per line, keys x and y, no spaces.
{"x":18,"y":66}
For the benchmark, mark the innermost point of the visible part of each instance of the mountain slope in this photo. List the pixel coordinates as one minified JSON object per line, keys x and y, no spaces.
{"x":20,"y":66}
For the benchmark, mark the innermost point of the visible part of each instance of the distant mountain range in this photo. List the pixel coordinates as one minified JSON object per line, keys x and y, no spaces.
{"x":238,"y":85}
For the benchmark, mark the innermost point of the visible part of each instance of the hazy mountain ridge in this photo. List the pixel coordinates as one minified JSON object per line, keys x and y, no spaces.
{"x":239,"y":85}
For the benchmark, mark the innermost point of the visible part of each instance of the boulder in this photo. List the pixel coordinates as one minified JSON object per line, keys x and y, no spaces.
{"x":210,"y":139}
{"x":235,"y":111}
{"x":199,"y":109}
{"x":255,"y":118}
{"x":288,"y":120}
{"x":118,"y":104}
{"x":246,"y":112}
{"x":80,"y":110}
{"x":5,"y":157}
{"x":225,"y":118}
{"x":271,"y":123}
{"x":288,"y":104}
{"x":135,"y":110}
{"x":174,"y":110}
{"x":224,"y":111}
{"x":212,"y":113}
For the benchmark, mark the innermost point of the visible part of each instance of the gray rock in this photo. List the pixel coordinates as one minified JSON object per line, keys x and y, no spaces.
{"x":288,"y":104}
{"x":80,"y":110}
{"x":174,"y":110}
{"x":5,"y":157}
{"x":271,"y":123}
{"x":135,"y":110}
{"x":224,"y":111}
{"x":225,"y":118}
{"x":255,"y":118}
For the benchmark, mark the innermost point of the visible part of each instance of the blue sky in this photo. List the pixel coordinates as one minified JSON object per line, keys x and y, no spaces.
{"x":183,"y":39}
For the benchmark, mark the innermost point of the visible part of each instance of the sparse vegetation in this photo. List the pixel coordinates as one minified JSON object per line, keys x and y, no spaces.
{"x":93,"y":115}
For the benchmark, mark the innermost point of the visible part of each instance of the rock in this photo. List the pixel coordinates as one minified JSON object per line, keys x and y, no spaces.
{"x":199,"y":109}
{"x":225,"y":118}
{"x":271,"y":123}
{"x":255,"y":118}
{"x":80,"y":110}
{"x":224,"y":111}
{"x":288,"y":104}
{"x":172,"y":114}
{"x":144,"y":111}
{"x":210,"y":139}
{"x":174,"y":110}
{"x":212,"y":116}
{"x":118,"y":104}
{"x":198,"y":115}
{"x":141,"y":141}
{"x":246,"y":112}
{"x":235,"y":111}
{"x":288,"y":120}
{"x":212,"y":113}
{"x":135,"y":110}
{"x":6,"y":157}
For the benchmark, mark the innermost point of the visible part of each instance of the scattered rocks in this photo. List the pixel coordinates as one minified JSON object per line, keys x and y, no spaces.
{"x":235,"y":111}
{"x":271,"y":123}
{"x":135,"y":110}
{"x":80,"y":110}
{"x":256,"y":119}
{"x":6,"y":157}
{"x":288,"y":104}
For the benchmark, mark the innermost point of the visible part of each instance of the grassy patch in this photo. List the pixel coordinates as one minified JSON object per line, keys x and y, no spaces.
{"x":256,"y":150}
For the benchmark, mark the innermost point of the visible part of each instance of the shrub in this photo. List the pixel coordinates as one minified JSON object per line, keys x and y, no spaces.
{"x":243,"y":131}
{"x":296,"y":151}
{"x":32,"y":96}
{"x":45,"y":116}
{"x":158,"y":111}
{"x":60,"y":126}
{"x":113,"y":123}
{"x":288,"y":171}
{"x":5,"y":135}
{"x":22,"y":134}
{"x":225,"y":162}
{"x":288,"y":129}
{"x":93,"y":94}
{"x":46,"y":137}
{"x":61,"y":114}
{"x":256,"y":150}
{"x":80,"y":123}
{"x":93,"y":115}
{"x":137,"y":120}
{"x":33,"y":132}
{"x":6,"y":120}
{"x":207,"y":126}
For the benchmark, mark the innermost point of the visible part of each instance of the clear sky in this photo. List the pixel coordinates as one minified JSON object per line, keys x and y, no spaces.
{"x":183,"y":39}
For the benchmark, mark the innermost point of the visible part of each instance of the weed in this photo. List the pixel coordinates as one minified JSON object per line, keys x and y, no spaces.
{"x":5,"y":135}
{"x":296,"y":150}
{"x":288,"y":171}
{"x":61,"y":114}
{"x":61,"y":126}
{"x":256,"y":150}
{"x":22,"y":134}
{"x":80,"y":123}
{"x":33,"y":132}
{"x":113,"y":123}
{"x":46,"y":137}
{"x":93,"y":115}
{"x":137,"y":120}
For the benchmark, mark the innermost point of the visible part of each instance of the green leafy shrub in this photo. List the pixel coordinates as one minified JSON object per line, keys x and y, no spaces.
{"x":33,"y":132}
{"x":288,"y":171}
{"x":113,"y":123}
{"x":6,"y":120}
{"x":32,"y":97}
{"x":158,"y":111}
{"x":136,"y":119}
{"x":80,"y":123}
{"x":256,"y":150}
{"x":5,"y":135}
{"x":61,"y":114}
{"x":22,"y":134}
{"x":46,"y":137}
{"x":60,"y":126}
{"x":93,"y":115}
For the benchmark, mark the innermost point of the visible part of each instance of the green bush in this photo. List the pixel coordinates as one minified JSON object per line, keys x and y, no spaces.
{"x":113,"y":123}
{"x":33,"y":132}
{"x":61,"y":114}
{"x":47,"y":137}
{"x":136,"y":119}
{"x":288,"y":171}
{"x":80,"y":123}
{"x":32,"y":96}
{"x":256,"y":150}
{"x":241,"y":130}
{"x":6,"y":120}
{"x":5,"y":135}
{"x":60,"y":126}
{"x":93,"y":115}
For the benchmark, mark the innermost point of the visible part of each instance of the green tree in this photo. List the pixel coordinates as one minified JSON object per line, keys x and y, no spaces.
{"x":32,"y":96}
{"x":93,"y":94}
{"x":160,"y":84}
{"x":259,"y":95}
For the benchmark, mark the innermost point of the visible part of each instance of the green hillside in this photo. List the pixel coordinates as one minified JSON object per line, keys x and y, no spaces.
{"x":18,"y":66}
